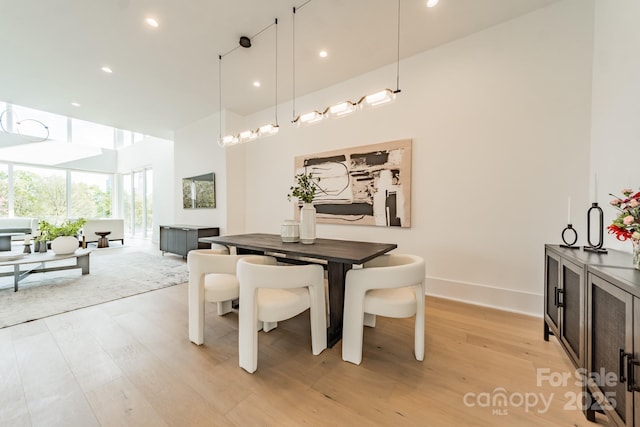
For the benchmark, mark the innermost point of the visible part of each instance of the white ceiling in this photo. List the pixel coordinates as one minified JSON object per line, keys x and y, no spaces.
{"x":165,"y":78}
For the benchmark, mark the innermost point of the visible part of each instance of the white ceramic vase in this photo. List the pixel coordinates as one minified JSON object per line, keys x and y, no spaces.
{"x":290,"y":231}
{"x":63,"y":245}
{"x":307,"y":224}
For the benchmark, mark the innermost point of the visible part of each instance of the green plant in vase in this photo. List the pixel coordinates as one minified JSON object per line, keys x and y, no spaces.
{"x":63,"y":237}
{"x":305,"y":190}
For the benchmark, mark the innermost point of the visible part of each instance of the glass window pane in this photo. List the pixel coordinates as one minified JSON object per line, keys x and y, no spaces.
{"x":126,"y":203}
{"x":30,"y":123}
{"x":149,"y":199}
{"x":127,"y":138}
{"x":90,"y":195}
{"x":138,"y":197}
{"x":40,"y":193}
{"x":93,"y":134}
{"x":4,"y":190}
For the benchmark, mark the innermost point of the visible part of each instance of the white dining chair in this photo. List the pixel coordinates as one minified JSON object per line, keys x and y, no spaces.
{"x":390,"y":285}
{"x":212,"y":278}
{"x":272,"y":293}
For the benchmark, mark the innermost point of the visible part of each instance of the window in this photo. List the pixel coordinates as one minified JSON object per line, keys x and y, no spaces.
{"x":127,"y":198}
{"x":148,"y":184}
{"x":90,"y":195}
{"x":93,"y":134}
{"x":137,"y":192}
{"x":4,"y":190}
{"x":138,"y":202}
{"x":40,"y":192}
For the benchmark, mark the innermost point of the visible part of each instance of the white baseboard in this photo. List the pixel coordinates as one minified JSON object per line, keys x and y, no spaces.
{"x":487,"y":296}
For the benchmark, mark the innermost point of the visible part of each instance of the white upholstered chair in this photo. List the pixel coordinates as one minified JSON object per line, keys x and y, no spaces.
{"x":391,"y":285}
{"x":271,"y":293}
{"x":212,"y":278}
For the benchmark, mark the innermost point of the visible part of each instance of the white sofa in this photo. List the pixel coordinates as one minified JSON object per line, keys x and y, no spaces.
{"x":113,"y":225}
{"x":28,"y":226}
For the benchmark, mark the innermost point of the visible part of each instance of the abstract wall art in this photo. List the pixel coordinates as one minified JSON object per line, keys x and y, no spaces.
{"x":366,"y":185}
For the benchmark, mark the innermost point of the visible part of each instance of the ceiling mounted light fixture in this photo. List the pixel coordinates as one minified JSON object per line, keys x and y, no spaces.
{"x":264,"y":130}
{"x":432,"y":3}
{"x":245,"y":42}
{"x":345,"y":108}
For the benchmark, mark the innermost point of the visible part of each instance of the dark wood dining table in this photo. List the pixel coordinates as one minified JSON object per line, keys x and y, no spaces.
{"x":339,"y":255}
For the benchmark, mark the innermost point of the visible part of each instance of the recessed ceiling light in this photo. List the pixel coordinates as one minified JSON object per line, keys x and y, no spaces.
{"x":431,"y":3}
{"x":107,"y":69}
{"x":75,"y":104}
{"x":257,"y":84}
{"x":323,"y":54}
{"x":151,"y":22}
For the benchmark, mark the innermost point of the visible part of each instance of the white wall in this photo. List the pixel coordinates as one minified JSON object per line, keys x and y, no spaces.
{"x":500,"y":128}
{"x":615,"y":144}
{"x":157,"y":154}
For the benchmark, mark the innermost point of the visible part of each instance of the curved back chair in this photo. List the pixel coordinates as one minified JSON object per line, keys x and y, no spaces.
{"x":390,"y":285}
{"x":271,"y":293}
{"x":212,"y":278}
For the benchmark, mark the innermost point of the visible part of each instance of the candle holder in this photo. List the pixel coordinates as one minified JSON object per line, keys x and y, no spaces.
{"x":27,"y":248}
{"x":570,"y":245}
{"x":595,"y":247}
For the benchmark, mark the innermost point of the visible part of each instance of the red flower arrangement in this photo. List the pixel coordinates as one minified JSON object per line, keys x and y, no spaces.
{"x":627,"y":223}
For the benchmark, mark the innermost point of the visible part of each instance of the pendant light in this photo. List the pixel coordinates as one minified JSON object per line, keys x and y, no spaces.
{"x":264,"y":130}
{"x":344,"y":108}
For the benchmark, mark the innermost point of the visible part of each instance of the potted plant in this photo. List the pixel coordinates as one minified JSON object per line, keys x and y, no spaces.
{"x":305,"y":190}
{"x":63,"y":237}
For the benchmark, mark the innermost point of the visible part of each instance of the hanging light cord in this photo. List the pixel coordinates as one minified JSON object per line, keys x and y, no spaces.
{"x":294,"y":56}
{"x":220,"y":92}
{"x":398,"y":55}
{"x":276,"y":92}
{"x":294,"y":63}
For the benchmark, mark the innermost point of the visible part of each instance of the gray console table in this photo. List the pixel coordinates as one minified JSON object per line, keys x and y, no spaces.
{"x":180,"y":239}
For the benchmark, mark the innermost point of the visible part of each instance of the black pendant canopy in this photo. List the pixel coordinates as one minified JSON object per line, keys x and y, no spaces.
{"x":245,"y":41}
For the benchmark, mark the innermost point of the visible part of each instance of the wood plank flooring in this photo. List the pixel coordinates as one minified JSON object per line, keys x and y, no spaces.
{"x":130,"y":363}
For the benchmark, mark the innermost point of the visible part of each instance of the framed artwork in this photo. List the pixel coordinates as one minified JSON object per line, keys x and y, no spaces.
{"x":365,"y":185}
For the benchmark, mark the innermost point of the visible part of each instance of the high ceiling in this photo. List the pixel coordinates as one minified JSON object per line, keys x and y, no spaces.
{"x":164,"y":78}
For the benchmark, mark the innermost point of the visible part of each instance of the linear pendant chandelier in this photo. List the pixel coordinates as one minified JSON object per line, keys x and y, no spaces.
{"x":381,"y":97}
{"x":344,"y":108}
{"x":262,"y":131}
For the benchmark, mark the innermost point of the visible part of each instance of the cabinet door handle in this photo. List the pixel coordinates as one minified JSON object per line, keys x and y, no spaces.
{"x":631,"y":364}
{"x":555,"y":296}
{"x":560,"y":298}
{"x":621,"y":356}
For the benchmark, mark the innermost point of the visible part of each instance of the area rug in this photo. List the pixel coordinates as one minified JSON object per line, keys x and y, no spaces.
{"x":114,"y":273}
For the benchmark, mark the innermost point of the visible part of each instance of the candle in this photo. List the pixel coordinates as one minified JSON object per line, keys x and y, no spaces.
{"x":595,"y":189}
{"x":569,"y":210}
{"x":27,"y":240}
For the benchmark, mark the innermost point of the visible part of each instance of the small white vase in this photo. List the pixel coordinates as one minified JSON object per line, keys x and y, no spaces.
{"x":290,"y":231}
{"x":63,"y":245}
{"x":307,"y":224}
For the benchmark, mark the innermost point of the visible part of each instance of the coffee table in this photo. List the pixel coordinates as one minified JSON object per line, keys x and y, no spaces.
{"x":37,"y":263}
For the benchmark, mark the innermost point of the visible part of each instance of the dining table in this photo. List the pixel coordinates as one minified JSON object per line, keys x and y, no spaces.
{"x":338,"y":256}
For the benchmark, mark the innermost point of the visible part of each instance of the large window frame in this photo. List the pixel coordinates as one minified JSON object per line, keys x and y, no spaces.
{"x":12,"y":168}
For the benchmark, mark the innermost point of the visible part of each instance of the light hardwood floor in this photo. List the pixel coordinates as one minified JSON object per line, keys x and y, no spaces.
{"x":129,"y":362}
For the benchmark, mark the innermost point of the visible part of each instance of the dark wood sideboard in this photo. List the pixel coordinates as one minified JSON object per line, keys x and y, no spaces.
{"x":592,"y":305}
{"x":180,"y":239}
